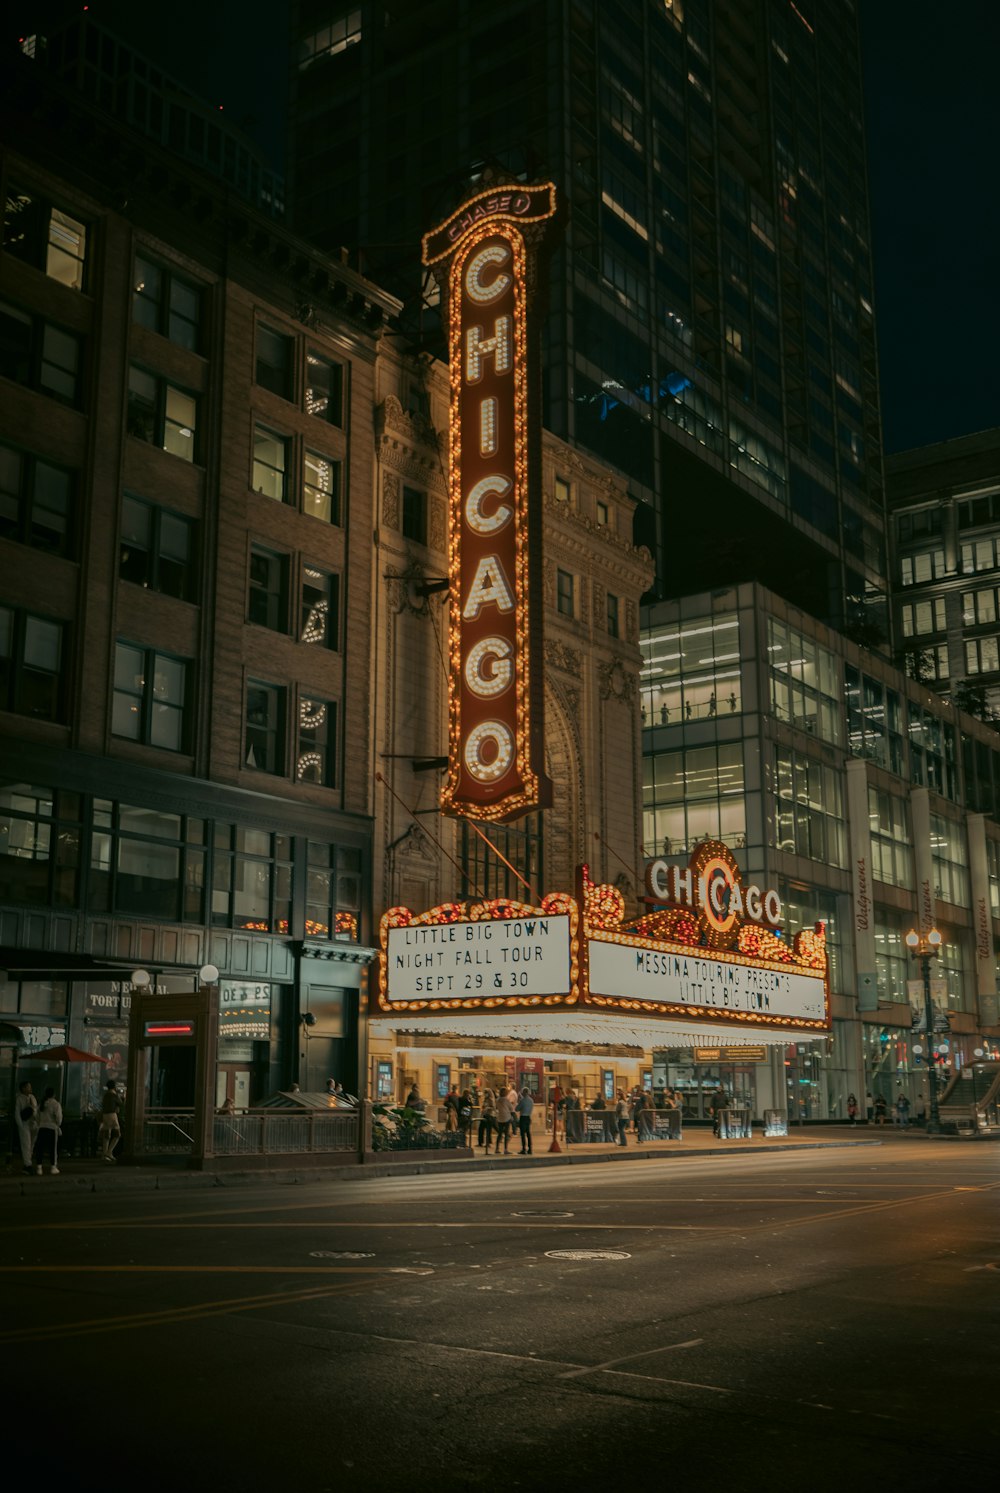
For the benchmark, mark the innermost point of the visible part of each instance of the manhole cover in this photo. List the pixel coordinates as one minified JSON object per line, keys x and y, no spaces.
{"x":542,"y":1213}
{"x":340,"y":1254}
{"x":587,"y":1254}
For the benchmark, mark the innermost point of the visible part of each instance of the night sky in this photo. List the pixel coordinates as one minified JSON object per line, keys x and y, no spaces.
{"x":933,"y":135}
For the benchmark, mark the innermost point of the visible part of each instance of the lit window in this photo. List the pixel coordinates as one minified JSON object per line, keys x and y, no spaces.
{"x":161,"y":413}
{"x":324,"y":389}
{"x":45,"y":236}
{"x":602,"y":514}
{"x":270,"y":464}
{"x":321,"y":487}
{"x":319,"y":622}
{"x":315,"y":746}
{"x":329,"y":40}
{"x":562,"y":490}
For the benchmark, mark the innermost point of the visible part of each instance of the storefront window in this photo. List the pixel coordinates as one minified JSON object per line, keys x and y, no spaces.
{"x":804,"y":682}
{"x":39,"y":846}
{"x":145,"y":863}
{"x":691,"y":671}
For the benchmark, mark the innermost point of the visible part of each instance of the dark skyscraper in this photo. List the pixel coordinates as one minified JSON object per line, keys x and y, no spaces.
{"x":711,"y":326}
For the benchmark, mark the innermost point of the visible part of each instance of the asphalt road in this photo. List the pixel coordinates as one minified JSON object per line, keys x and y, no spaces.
{"x":825,"y":1320}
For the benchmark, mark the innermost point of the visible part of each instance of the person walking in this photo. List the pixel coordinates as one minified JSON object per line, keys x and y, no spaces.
{"x":903,"y":1111}
{"x":111,"y":1130}
{"x":49,"y":1130}
{"x":26,"y":1120}
{"x":621,"y":1118}
{"x":525,"y":1108}
{"x":465,"y":1108}
{"x":487,"y":1118}
{"x":505,"y":1113}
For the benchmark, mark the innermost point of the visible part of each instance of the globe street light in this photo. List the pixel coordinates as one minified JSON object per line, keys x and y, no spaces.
{"x":925,"y":947}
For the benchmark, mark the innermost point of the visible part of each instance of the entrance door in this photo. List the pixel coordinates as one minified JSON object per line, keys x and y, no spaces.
{"x":241,"y":1089}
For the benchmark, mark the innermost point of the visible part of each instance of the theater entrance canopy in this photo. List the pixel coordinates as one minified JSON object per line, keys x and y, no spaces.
{"x":708,"y":963}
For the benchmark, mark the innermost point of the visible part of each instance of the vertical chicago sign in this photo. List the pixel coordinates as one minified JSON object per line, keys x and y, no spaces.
{"x":484,"y":258}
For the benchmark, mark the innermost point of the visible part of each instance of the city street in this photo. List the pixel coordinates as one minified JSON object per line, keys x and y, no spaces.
{"x":702,"y":1319}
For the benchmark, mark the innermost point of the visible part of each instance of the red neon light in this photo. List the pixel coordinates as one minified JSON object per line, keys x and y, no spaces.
{"x":169,"y":1029}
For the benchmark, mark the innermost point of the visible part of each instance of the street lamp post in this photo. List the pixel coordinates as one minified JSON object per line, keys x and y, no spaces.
{"x":925,"y":947}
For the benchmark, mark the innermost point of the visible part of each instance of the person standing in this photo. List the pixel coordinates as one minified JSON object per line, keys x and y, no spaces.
{"x":621,"y":1118}
{"x":505,"y":1113}
{"x":465,"y":1108}
{"x":413,"y":1099}
{"x":880,"y":1109}
{"x":903,"y":1111}
{"x":852,"y":1109}
{"x":487,"y":1118}
{"x":26,"y":1120}
{"x":451,"y":1108}
{"x":49,"y":1130}
{"x":718,"y":1109}
{"x":111,"y":1130}
{"x":525,"y":1109}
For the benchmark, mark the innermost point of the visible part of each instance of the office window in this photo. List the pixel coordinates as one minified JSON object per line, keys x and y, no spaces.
{"x":315,"y":748}
{"x":949,"y":861}
{"x":149,"y":697}
{"x":36,"y":501}
{"x":927,"y":663}
{"x":270,"y":463}
{"x":930,"y":566}
{"x":565,"y":593}
{"x":275,"y":355}
{"x":267,"y":602}
{"x":320,"y":609}
{"x":694,"y":795}
{"x":875,"y":721}
{"x":923,"y":616}
{"x":981,"y":656}
{"x":40,"y":355}
{"x":45,"y":236}
{"x":692,"y":671}
{"x":979,"y":607}
{"x":263,"y":742}
{"x":804,"y":682}
{"x":324,"y":389}
{"x":415,"y":515}
{"x":809,"y":808}
{"x":321,"y":482}
{"x":562,"y":490}
{"x":979,"y":555}
{"x":892,"y":846}
{"x":603,"y":514}
{"x":340,"y":34}
{"x":39,"y":846}
{"x":31,"y":664}
{"x":156,"y":549}
{"x":162,"y":414}
{"x":251,"y":879}
{"x":613,"y":616}
{"x":166,"y":303}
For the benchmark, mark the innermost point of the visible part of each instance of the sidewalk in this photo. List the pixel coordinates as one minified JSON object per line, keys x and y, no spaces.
{"x":91,"y":1175}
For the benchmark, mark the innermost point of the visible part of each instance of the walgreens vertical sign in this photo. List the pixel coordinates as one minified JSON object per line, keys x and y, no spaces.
{"x":483,"y":256}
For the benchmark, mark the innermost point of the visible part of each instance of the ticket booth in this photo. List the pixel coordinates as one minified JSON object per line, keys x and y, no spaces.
{"x":173,"y":1042}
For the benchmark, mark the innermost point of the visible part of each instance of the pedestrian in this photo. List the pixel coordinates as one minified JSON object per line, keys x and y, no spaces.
{"x":451,"y":1108}
{"x":718,"y":1106}
{"x":869,"y":1107}
{"x":487,"y":1118}
{"x":711,"y":703}
{"x":621,"y":1118}
{"x":505,"y":1113}
{"x":902,"y":1111}
{"x":465,"y":1108}
{"x":732,"y":703}
{"x":413,"y":1100}
{"x":574,"y":1119}
{"x":111,"y":1130}
{"x":525,"y":1109}
{"x":852,"y":1109}
{"x":49,"y":1130}
{"x":26,"y":1120}
{"x":880,"y":1109}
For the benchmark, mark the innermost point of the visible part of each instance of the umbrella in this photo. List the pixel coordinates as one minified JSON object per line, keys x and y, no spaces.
{"x":63,"y":1054}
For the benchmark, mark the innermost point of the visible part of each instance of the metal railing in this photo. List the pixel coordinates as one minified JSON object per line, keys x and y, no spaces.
{"x":168,"y":1132}
{"x":275,"y":1133}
